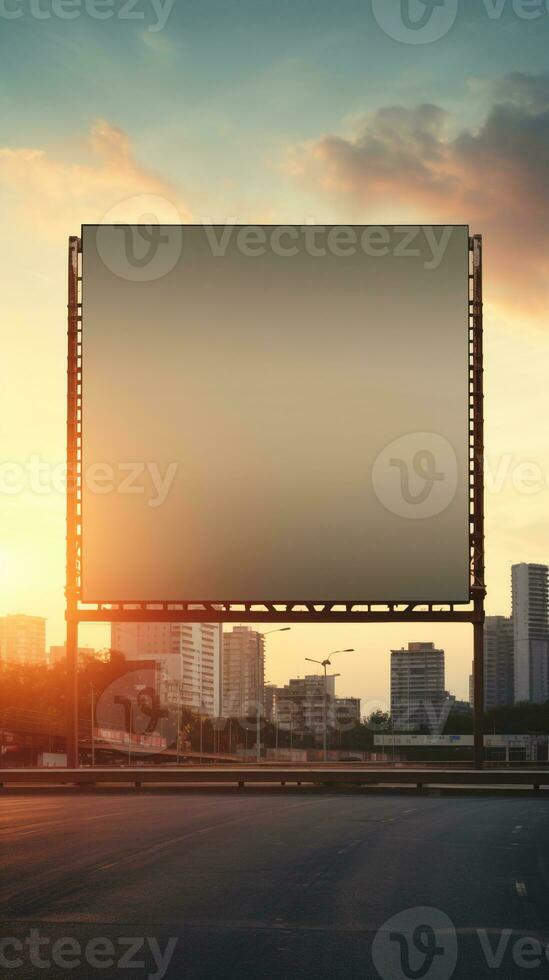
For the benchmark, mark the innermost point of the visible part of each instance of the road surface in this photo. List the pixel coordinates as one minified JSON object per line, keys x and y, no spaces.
{"x":273,"y":883}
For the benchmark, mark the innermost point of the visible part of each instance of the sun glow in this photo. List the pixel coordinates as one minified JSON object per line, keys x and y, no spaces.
{"x":5,"y":565}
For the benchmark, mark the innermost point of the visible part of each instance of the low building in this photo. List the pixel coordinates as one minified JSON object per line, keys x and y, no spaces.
{"x":300,"y":706}
{"x":348,"y":710}
{"x":458,"y":707}
{"x":58,"y":653}
{"x":269,"y":700}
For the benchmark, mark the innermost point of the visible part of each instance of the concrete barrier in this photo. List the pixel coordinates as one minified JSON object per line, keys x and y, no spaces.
{"x":420,"y":778}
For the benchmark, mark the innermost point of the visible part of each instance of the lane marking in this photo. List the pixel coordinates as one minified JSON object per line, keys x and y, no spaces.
{"x":518,"y":828}
{"x":7,"y":811}
{"x":74,"y":820}
{"x":349,"y":846}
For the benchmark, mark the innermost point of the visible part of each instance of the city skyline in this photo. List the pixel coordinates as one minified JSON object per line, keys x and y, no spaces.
{"x":168,"y":640}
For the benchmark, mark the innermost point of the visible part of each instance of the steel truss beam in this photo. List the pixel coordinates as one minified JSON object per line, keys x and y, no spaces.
{"x":272,"y":612}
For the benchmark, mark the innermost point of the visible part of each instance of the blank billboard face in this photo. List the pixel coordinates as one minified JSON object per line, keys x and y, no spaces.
{"x":275,"y":414}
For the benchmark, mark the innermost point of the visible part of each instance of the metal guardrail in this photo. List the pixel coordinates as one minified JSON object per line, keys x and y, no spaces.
{"x":329,"y":776}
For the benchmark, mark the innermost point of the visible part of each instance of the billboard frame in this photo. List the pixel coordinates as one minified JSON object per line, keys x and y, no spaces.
{"x":284,"y":611}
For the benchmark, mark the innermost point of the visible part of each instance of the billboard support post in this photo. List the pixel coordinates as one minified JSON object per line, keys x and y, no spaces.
{"x":283,"y":611}
{"x":477,"y":465}
{"x":74,"y":394}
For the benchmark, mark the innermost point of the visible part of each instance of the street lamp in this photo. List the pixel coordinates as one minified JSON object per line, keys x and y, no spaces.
{"x":202,"y":706}
{"x":130,"y":761}
{"x":327,"y":663}
{"x":279,"y":629}
{"x":93,"y":693}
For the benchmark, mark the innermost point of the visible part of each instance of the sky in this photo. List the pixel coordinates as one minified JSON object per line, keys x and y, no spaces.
{"x":274,"y":112}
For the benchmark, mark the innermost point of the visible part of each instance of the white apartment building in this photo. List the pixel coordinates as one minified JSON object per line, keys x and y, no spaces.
{"x":189,"y":657}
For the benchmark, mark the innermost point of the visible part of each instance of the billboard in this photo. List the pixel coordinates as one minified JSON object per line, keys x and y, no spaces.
{"x":490,"y":741}
{"x":275,"y":413}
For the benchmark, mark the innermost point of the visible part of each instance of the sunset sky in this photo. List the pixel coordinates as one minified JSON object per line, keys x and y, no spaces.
{"x":274,"y":111}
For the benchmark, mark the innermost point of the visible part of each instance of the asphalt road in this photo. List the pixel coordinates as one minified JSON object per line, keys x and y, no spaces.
{"x":273,"y":883}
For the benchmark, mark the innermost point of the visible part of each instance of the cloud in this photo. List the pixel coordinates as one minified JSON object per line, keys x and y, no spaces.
{"x":57,"y":195}
{"x":496,"y":178}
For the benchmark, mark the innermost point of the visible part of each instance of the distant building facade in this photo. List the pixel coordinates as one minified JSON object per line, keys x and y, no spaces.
{"x":456,"y":706}
{"x":201,"y":657}
{"x":418,"y":696}
{"x":499,"y":662}
{"x":23,"y":639}
{"x":299,"y":706}
{"x":144,"y":641}
{"x":347,"y":711}
{"x":269,"y":699}
{"x":189,"y":656}
{"x":530,"y":601}
{"x":58,"y":653}
{"x":243,"y":672}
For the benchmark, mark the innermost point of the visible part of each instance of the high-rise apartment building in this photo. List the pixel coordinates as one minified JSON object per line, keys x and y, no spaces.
{"x":530,"y":598}
{"x":418,"y":696}
{"x":201,"y":657}
{"x":243,"y":672}
{"x":189,"y":658}
{"x":23,"y":639}
{"x":499,"y":669}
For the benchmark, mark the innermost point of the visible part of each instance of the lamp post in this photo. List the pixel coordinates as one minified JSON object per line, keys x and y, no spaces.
{"x":324,"y":664}
{"x":280,"y":629}
{"x":93,"y":692}
{"x":130,"y":761}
